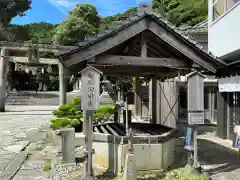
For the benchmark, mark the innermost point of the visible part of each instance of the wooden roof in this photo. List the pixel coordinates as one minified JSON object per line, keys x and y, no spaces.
{"x":163,"y":41}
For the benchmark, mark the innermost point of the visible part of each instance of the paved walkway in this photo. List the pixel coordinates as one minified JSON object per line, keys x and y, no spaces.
{"x":215,"y":155}
{"x":17,"y":128}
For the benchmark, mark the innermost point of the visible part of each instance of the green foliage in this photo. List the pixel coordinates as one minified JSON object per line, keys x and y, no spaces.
{"x":63,"y":122}
{"x":32,"y":33}
{"x":179,"y":174}
{"x":182,"y":11}
{"x":11,"y":9}
{"x":109,"y":21}
{"x":104,"y":112}
{"x":84,"y":20}
{"x":40,"y":32}
{"x":69,"y":115}
{"x":81,"y":21}
{"x":47,"y":165}
{"x":69,"y":111}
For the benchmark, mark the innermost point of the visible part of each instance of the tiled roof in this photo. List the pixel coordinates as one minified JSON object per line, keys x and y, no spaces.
{"x":201,"y":27}
{"x":182,"y":33}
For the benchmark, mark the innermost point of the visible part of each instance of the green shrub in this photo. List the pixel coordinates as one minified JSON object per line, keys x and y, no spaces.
{"x":70,"y":115}
{"x":61,"y":123}
{"x":179,"y":174}
{"x":103,"y":113}
{"x":67,"y":115}
{"x":70,"y":111}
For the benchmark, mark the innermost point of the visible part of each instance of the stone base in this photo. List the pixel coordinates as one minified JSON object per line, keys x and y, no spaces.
{"x":155,"y":156}
{"x":190,"y":171}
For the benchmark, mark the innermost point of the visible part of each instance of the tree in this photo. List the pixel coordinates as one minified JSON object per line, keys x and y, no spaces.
{"x":182,"y":11}
{"x":81,"y":21}
{"x":12,"y":8}
{"x":40,"y":32}
{"x":109,"y":21}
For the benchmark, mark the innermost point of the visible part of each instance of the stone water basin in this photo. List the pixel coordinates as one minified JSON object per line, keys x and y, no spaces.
{"x":153,"y":146}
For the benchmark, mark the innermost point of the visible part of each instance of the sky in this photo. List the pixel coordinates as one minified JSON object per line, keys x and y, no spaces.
{"x":55,"y":11}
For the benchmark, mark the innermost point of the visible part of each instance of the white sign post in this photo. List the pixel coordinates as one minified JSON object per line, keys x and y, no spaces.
{"x":195,"y":113}
{"x":90,"y":103}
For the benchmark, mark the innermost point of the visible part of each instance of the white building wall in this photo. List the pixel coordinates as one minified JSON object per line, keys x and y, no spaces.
{"x":224,"y":32}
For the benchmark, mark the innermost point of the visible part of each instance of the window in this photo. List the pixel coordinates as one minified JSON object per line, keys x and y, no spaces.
{"x":222,"y":6}
{"x":231,"y":3}
{"x":218,"y":8}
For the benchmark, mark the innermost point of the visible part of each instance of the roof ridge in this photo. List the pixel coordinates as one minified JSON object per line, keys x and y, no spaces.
{"x":167,"y":23}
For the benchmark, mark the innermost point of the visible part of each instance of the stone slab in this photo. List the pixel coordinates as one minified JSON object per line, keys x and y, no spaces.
{"x":16,"y":148}
{"x":14,"y":166}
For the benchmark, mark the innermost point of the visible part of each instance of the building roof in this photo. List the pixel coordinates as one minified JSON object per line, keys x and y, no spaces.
{"x":90,"y":40}
{"x":201,"y":27}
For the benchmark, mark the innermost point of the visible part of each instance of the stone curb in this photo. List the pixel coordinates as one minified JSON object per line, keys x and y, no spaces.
{"x":14,"y":166}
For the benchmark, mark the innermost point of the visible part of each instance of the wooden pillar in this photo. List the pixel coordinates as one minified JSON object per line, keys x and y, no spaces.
{"x":209,"y":104}
{"x":153,"y":100}
{"x":138,"y":99}
{"x":228,"y":120}
{"x":213,"y":104}
{"x":221,"y":115}
{"x":138,"y":92}
{"x":62,"y":85}
{"x":3,"y":77}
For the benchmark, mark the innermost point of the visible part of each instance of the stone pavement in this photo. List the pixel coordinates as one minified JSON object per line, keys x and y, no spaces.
{"x":215,"y":155}
{"x":18,"y":126}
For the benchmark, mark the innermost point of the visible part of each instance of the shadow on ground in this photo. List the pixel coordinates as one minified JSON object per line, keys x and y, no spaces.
{"x":216,"y":157}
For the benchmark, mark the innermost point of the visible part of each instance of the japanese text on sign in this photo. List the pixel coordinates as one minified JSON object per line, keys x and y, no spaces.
{"x":90,"y":96}
{"x":90,"y":89}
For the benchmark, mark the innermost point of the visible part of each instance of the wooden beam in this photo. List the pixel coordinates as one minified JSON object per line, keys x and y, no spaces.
{"x":131,"y":45}
{"x":159,"y":48}
{"x":143,"y":45}
{"x":180,"y":45}
{"x":140,"y":61}
{"x":109,"y":42}
{"x":25,"y":60}
{"x":40,"y":47}
{"x":129,"y":69}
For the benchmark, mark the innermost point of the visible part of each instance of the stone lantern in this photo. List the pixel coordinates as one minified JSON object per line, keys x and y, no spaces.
{"x":105,"y":97}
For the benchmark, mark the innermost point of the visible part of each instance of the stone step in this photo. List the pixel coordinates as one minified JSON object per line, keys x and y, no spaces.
{"x":40,"y":98}
{"x":31,"y":98}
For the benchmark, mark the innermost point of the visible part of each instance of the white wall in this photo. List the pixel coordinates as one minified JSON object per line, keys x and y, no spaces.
{"x":224,"y":34}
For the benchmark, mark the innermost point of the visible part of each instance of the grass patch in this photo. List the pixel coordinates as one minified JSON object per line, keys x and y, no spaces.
{"x":47,"y":165}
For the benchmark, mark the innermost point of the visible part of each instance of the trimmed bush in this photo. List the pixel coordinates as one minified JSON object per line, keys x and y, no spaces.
{"x":67,"y":115}
{"x":104,"y":113}
{"x":70,"y":115}
{"x":61,"y":123}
